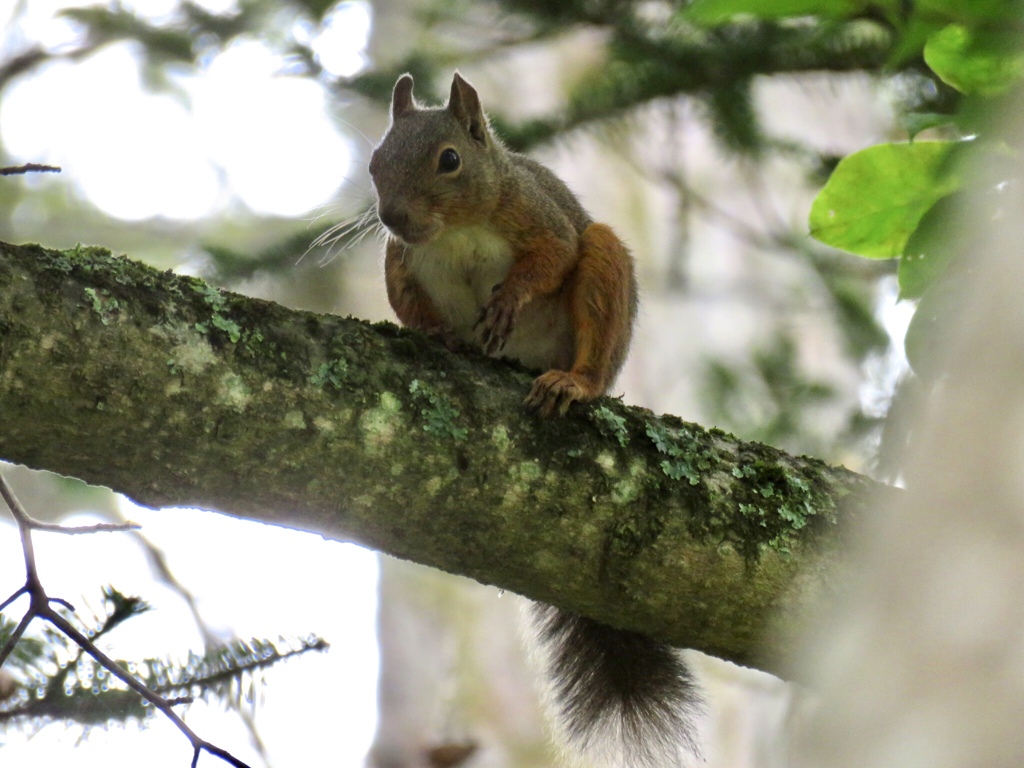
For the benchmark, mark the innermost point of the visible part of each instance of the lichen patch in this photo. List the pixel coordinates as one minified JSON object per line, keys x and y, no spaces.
{"x":294,"y":419}
{"x":379,"y":425}
{"x":500,"y":438}
{"x":233,"y":392}
{"x":606,"y":461}
{"x":190,"y":351}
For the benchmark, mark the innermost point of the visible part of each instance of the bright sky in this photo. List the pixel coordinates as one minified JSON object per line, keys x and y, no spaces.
{"x":238,"y":131}
{"x":251,"y":579}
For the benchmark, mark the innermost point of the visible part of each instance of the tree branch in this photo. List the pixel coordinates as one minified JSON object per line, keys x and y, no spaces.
{"x":654,"y":60}
{"x":177,"y":394}
{"x":40,"y":606}
{"x":12,"y":170}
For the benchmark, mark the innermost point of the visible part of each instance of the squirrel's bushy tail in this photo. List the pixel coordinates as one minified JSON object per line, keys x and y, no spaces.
{"x":617,"y":694}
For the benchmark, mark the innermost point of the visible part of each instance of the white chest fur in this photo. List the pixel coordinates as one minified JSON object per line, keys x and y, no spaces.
{"x":460,"y":269}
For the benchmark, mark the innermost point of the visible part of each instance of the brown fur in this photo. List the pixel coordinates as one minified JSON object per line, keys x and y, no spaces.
{"x":508,"y":203}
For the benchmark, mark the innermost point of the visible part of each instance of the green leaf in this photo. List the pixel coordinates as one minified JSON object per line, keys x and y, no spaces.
{"x":907,"y":46}
{"x":919,"y":270}
{"x":980,"y":62}
{"x":932,"y":246}
{"x":971,"y":12}
{"x":875,"y":198}
{"x":915,"y":122}
{"x":718,"y":11}
{"x":936,"y":312}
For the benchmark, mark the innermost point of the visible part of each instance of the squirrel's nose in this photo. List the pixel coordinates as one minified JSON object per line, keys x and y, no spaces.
{"x":394,"y":217}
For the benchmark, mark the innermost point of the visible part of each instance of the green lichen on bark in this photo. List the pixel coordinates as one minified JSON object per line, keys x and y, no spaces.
{"x":192,"y":396}
{"x":439,"y":414}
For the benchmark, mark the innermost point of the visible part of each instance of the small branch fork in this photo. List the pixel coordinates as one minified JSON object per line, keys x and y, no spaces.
{"x":41,"y":606}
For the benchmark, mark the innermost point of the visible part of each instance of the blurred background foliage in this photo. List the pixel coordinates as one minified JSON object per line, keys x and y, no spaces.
{"x":701,"y":131}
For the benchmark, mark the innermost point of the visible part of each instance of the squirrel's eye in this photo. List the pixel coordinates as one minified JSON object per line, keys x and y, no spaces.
{"x":448,"y":161}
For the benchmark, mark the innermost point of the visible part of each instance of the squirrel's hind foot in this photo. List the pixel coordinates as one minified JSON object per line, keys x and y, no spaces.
{"x":553,"y":392}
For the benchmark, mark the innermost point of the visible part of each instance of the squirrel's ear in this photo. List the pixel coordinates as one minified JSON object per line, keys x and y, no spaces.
{"x":464,"y":106}
{"x":401,"y":98}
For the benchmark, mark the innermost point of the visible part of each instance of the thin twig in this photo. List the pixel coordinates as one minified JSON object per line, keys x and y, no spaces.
{"x":15,"y":636}
{"x":11,"y":599}
{"x":40,"y":606}
{"x":136,"y":685}
{"x":29,"y":168}
{"x":74,"y":530}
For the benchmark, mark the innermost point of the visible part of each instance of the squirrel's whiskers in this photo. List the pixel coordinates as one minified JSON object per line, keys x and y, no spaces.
{"x":346,"y":234}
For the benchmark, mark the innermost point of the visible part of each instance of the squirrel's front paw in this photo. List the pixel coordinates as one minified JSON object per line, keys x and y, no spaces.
{"x":553,"y":392}
{"x":497,"y":320}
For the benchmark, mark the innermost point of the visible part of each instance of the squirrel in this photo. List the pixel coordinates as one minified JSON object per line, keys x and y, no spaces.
{"x":489,"y":249}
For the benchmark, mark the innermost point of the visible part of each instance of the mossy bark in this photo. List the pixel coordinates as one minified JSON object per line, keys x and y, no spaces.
{"x":176,"y":394}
